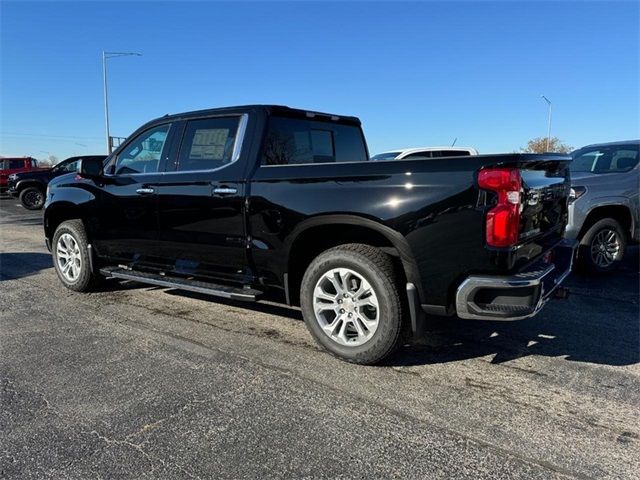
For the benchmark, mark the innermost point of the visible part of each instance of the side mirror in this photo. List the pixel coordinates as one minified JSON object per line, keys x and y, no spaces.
{"x":90,"y":167}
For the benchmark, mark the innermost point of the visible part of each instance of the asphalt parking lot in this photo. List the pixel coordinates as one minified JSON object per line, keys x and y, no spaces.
{"x":143,"y":382}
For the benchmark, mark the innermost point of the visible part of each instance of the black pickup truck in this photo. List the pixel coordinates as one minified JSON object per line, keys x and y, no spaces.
{"x":30,"y":186}
{"x":273,"y":202}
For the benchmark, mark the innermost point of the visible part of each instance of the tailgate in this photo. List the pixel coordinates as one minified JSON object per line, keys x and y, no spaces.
{"x":526,"y":200}
{"x":545,"y":193}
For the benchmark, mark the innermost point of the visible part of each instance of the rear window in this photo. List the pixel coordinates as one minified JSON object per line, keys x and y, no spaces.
{"x":605,"y":159}
{"x":291,"y":141}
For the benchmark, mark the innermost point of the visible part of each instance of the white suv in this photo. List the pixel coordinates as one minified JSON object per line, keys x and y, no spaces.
{"x":425,"y":153}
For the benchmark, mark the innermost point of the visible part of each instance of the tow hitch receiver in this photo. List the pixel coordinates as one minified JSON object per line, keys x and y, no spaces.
{"x":562,"y":293}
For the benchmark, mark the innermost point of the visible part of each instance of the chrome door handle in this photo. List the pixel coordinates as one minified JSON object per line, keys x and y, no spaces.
{"x":145,"y":190}
{"x":225,"y":190}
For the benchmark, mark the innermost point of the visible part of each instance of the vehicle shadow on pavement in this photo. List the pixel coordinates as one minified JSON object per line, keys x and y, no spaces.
{"x":454,"y":340}
{"x":280,"y":310}
{"x":599,"y":323}
{"x":23,"y":264}
{"x":24,"y":221}
{"x":114,"y":285}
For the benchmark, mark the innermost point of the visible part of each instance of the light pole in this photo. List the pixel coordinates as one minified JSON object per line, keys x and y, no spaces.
{"x":105,"y":56}
{"x":549,"y":123}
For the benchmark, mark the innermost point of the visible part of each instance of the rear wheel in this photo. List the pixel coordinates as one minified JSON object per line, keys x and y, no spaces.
{"x":350,"y":303}
{"x":32,"y":198}
{"x":602,"y":247}
{"x":71,"y":257}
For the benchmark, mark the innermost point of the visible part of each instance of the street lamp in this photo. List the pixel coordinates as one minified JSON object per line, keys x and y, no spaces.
{"x":105,"y":56}
{"x":549,"y":123}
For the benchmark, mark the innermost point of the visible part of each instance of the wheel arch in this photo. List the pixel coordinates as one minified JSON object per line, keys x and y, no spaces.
{"x":22,"y":184}
{"x":317,"y":234}
{"x":617,"y":211}
{"x":60,"y":212}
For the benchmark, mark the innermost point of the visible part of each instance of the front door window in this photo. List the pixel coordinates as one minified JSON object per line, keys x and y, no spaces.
{"x":143,"y":154}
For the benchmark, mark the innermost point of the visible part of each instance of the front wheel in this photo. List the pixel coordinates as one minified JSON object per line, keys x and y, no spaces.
{"x":71,"y":257}
{"x":32,"y":198}
{"x":350,"y":303}
{"x":602,"y":247}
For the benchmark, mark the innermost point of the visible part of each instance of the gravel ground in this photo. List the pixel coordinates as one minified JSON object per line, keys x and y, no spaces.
{"x":142,"y":382}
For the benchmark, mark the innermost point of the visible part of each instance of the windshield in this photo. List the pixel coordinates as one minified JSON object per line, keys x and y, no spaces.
{"x":606,"y":159}
{"x":385,"y":156}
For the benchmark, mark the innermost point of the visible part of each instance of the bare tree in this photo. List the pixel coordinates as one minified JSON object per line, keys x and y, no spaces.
{"x":50,"y":161}
{"x":539,"y":145}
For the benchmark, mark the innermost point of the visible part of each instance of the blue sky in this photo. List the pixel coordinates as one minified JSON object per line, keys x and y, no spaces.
{"x":420,"y":73}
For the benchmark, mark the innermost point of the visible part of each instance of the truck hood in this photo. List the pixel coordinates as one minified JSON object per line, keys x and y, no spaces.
{"x":40,"y":173}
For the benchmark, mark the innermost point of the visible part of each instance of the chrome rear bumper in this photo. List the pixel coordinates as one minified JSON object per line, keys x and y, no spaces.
{"x":515,"y":297}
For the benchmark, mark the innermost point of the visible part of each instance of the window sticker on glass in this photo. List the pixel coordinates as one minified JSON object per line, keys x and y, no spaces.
{"x":209,"y":143}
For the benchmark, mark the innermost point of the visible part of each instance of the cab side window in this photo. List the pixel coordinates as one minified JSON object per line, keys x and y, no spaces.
{"x":293,"y":141}
{"x":144,"y":153}
{"x":451,"y":153}
{"x":208,"y":144}
{"x":624,"y":160}
{"x":418,"y":156}
{"x":71,"y":166}
{"x":67,"y":167}
{"x":9,"y":164}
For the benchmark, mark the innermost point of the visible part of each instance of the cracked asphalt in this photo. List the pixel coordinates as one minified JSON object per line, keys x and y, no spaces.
{"x":143,"y":382}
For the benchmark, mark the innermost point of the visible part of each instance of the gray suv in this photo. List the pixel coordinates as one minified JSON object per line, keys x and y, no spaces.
{"x":604,"y":203}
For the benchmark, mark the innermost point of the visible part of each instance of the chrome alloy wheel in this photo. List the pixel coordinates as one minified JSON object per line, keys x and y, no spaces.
{"x":68,"y":257}
{"x":605,"y":248}
{"x":346,"y":307}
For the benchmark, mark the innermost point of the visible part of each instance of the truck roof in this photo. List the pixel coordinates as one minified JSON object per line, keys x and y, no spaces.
{"x":611,"y":144}
{"x":269,"y":109}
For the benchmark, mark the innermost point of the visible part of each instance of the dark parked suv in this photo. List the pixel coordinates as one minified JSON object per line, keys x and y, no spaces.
{"x":248,"y":201}
{"x":30,"y":187}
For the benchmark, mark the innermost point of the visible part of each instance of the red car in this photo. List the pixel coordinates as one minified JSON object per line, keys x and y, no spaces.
{"x":9,"y":165}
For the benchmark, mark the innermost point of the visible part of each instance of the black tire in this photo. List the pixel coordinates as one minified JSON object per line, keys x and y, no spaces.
{"x":85,"y":280}
{"x":377,"y":269}
{"x":32,"y":198}
{"x":592,"y":258}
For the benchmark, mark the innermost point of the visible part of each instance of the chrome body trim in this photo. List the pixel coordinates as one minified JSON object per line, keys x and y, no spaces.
{"x":466,"y":308}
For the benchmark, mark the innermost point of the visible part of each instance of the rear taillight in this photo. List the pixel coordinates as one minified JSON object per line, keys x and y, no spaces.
{"x":503,"y":220}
